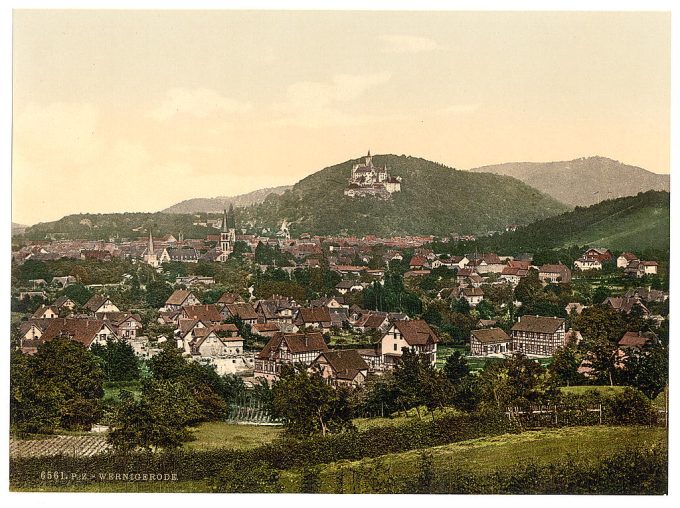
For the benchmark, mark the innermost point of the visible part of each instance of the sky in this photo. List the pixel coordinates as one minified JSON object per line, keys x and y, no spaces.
{"x":125,"y":110}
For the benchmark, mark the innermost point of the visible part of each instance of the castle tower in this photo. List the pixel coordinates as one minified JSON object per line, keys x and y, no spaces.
{"x":369,"y":162}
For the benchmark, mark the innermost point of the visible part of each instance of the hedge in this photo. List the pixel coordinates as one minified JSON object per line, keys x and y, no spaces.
{"x":281,"y":454}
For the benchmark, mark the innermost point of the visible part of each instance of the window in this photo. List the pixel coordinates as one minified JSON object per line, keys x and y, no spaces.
{"x":395,"y":347}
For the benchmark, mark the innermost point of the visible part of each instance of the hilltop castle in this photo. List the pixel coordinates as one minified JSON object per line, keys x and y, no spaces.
{"x":369,"y":180}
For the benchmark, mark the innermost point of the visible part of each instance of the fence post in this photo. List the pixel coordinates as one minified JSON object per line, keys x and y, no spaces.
{"x":600,"y":411}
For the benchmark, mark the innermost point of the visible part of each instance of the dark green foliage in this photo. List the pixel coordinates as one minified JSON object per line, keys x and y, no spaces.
{"x":636,"y":223}
{"x":564,"y":366}
{"x":157,"y":293}
{"x":647,"y":369}
{"x":418,"y":383}
{"x":158,"y":419}
{"x":78,"y":293}
{"x":391,"y":296}
{"x":631,"y":407}
{"x":120,"y":361}
{"x":34,"y":405}
{"x":427,"y":203}
{"x":456,"y":367}
{"x":77,"y":375}
{"x":212,"y":392}
{"x":310,"y":482}
{"x":308,"y":405}
{"x":272,"y":255}
{"x":32,"y":269}
{"x":241,"y":477}
{"x":516,"y":381}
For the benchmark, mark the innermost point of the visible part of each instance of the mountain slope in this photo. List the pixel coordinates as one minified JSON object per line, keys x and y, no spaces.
{"x":635,"y":223}
{"x":434,"y":199}
{"x":222,"y":202}
{"x":582,"y":182}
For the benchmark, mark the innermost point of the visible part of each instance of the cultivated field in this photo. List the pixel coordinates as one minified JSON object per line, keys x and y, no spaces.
{"x":77,"y":446}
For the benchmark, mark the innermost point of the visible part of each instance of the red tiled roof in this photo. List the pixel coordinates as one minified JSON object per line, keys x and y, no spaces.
{"x":416,"y":332}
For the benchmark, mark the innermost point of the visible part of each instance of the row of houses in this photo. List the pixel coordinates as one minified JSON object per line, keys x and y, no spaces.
{"x":531,"y":335}
{"x":346,"y":367}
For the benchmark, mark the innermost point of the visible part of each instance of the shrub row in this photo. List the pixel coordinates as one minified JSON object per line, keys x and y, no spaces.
{"x":626,"y":472}
{"x":281,"y":454}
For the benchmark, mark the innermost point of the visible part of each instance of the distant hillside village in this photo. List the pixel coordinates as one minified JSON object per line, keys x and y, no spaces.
{"x":382,"y":297}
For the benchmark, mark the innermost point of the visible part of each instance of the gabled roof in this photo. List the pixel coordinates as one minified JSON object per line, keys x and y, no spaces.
{"x":81,"y":330}
{"x":553,"y":269}
{"x":470,"y":292}
{"x":538,"y":324}
{"x":628,"y":256}
{"x":241,"y":310}
{"x":314,"y":314}
{"x":230,"y":298}
{"x":118,"y":318}
{"x":178,"y":297}
{"x":206,"y":313}
{"x":94,"y":303}
{"x":490,"y":335}
{"x":296,"y":343}
{"x":623,"y":304}
{"x":371,"y":320}
{"x":39,"y":313}
{"x":62,"y":300}
{"x":346,"y":363}
{"x":416,"y":332}
{"x":636,"y":339}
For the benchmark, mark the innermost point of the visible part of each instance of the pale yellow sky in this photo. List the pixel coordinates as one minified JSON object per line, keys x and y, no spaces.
{"x":137,"y":110}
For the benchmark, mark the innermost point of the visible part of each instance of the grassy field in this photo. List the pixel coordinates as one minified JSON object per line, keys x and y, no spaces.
{"x":486,"y":455}
{"x":228,"y":435}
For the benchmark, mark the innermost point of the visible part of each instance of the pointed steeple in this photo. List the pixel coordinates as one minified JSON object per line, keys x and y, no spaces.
{"x":150,"y":243}
{"x":224,"y":222}
{"x":231,"y":219}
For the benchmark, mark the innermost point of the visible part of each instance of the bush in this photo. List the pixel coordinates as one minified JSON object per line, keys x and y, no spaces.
{"x":631,"y":407}
{"x":256,"y":477}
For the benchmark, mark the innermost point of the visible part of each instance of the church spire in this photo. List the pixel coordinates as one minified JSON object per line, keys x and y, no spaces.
{"x":224,"y":222}
{"x":150,"y":243}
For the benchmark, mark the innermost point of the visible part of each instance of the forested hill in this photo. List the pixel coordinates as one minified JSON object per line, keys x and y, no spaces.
{"x":636,"y":223}
{"x":584,"y":181}
{"x":220,"y":203}
{"x":434,"y":199}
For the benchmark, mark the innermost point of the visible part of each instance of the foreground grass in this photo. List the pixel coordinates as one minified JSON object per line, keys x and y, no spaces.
{"x":487,"y":455}
{"x":212,"y":435}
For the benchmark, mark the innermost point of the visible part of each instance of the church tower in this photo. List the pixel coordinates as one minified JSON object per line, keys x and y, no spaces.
{"x":150,"y":257}
{"x":227,"y":235}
